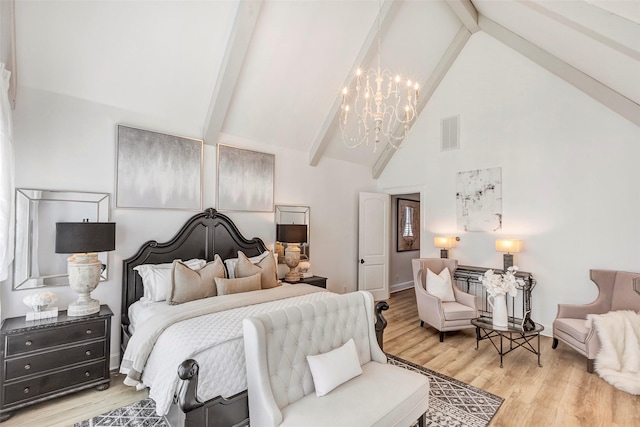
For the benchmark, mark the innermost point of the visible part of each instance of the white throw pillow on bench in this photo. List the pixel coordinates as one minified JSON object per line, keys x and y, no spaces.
{"x":329,"y":370}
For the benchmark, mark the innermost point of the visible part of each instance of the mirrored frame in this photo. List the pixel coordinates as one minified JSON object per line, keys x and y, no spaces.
{"x":286,"y":214}
{"x":36,"y":264}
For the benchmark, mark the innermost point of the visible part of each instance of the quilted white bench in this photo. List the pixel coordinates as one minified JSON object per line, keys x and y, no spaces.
{"x":281,"y":385}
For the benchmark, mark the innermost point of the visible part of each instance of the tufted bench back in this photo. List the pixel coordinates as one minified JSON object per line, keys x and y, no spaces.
{"x":314,"y":328}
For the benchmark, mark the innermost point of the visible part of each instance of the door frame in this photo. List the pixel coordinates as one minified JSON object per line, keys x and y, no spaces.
{"x":398,"y":191}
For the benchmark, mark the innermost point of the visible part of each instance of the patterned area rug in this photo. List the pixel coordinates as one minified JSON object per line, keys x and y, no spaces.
{"x":452,"y":403}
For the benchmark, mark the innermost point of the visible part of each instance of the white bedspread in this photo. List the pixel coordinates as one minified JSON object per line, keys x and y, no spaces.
{"x":618,"y":361}
{"x":218,"y":350}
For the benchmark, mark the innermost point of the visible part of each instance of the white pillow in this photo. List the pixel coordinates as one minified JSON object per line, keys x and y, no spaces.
{"x":156,"y":278}
{"x":336,"y":367}
{"x":230,"y":263}
{"x":440,"y":285}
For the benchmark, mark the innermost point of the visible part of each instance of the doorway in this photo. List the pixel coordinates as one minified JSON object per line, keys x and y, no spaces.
{"x":405,"y":227}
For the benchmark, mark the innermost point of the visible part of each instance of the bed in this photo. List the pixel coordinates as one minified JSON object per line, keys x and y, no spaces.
{"x":202,"y":236}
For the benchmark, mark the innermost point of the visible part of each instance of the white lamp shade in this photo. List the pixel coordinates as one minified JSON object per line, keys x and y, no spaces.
{"x":444,"y":242}
{"x":508,"y":245}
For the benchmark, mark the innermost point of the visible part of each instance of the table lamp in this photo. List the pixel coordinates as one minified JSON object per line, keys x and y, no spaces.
{"x":508,"y":246}
{"x":84,"y":240}
{"x":445,"y":243}
{"x":291,"y":235}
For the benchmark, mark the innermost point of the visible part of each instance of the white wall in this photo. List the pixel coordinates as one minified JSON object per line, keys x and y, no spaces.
{"x":64,"y":143}
{"x":5,"y":31}
{"x":569,"y":168}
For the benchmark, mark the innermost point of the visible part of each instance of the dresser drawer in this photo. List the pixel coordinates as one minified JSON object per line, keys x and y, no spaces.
{"x":36,"y":363}
{"x":56,"y":382}
{"x":36,"y":340}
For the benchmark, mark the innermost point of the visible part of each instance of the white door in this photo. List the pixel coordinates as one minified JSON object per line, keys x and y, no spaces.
{"x":373,"y":244}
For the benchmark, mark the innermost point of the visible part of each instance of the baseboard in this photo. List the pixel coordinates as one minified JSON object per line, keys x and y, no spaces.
{"x":114,"y":362}
{"x":400,"y":286}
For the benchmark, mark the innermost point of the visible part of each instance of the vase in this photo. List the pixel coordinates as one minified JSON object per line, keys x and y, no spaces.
{"x":498,"y":305}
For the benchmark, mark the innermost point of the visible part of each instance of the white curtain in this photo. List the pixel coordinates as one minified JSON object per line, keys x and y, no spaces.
{"x":7,"y":176}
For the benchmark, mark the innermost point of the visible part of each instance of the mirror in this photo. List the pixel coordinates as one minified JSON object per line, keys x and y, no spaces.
{"x":294,"y":215}
{"x":36,"y":264}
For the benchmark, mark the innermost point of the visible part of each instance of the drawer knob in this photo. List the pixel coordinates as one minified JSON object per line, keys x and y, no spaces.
{"x":26,"y":390}
{"x":87,"y":353}
{"x":27,"y":366}
{"x":88,"y":331}
{"x":28,"y":343}
{"x":87,"y":374}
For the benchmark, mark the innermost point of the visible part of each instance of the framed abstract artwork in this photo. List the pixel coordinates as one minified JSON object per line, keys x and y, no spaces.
{"x":245,"y":180}
{"x":158,"y":171}
{"x":479,"y":200}
{"x":408,"y":225}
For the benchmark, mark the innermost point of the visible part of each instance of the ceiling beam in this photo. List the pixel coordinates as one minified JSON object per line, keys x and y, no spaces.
{"x":466,"y":13}
{"x":430,"y":86}
{"x":595,"y":35}
{"x":237,"y":47}
{"x":365,"y":56}
{"x":587,"y":84}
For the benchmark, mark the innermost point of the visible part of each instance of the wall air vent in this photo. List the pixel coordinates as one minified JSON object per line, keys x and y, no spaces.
{"x":450,"y":133}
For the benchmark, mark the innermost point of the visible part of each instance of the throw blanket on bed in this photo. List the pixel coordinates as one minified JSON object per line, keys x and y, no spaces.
{"x":186,"y":331}
{"x":618,"y":361}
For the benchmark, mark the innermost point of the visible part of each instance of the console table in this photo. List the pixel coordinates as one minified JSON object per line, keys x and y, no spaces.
{"x":513,"y":333}
{"x":467,"y":277}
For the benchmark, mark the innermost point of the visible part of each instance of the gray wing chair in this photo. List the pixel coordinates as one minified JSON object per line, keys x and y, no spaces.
{"x":616,"y":293}
{"x":444,"y":316}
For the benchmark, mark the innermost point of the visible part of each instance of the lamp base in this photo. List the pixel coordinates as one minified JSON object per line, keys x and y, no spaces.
{"x":83,"y":307}
{"x":507,"y":260}
{"x":292,"y":259}
{"x":444,"y":253}
{"x":84,"y":276}
{"x":292,"y":276}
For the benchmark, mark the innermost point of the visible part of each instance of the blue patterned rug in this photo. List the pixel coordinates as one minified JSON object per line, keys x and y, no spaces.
{"x":452,"y":403}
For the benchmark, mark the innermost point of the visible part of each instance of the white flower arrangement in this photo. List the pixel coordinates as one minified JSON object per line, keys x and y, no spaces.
{"x":37,"y":301}
{"x":501,"y":284}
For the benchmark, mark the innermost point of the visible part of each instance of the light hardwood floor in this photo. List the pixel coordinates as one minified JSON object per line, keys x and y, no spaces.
{"x":560,"y":393}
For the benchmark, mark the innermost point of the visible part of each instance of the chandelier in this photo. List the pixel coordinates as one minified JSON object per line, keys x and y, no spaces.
{"x":383,"y":110}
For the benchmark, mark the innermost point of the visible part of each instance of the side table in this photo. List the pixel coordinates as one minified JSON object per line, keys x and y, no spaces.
{"x":514,"y":334}
{"x":318,"y":281}
{"x":44,"y":359}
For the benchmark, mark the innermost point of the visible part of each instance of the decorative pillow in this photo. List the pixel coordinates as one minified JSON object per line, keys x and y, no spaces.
{"x":267,"y":267}
{"x":231,"y":263}
{"x":237,"y":285}
{"x":329,"y":370}
{"x":189,"y":285}
{"x":440,"y":285}
{"x":156,"y":278}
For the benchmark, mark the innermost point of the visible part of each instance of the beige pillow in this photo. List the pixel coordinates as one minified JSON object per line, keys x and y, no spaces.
{"x":267,"y":268}
{"x":188,"y":285}
{"x":237,"y":285}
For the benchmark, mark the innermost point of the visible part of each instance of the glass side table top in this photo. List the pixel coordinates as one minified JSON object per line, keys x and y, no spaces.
{"x":513,"y":326}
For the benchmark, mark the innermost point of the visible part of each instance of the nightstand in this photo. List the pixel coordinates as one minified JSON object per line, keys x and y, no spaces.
{"x":318,"y":281}
{"x":44,"y":359}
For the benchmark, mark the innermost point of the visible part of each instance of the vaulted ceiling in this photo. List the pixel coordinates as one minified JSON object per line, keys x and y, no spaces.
{"x":271,"y":71}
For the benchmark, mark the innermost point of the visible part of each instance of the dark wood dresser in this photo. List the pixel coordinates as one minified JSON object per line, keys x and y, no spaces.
{"x":44,"y":359}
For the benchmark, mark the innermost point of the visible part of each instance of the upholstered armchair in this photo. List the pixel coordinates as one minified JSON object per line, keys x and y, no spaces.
{"x":616,"y":292}
{"x":442,"y":315}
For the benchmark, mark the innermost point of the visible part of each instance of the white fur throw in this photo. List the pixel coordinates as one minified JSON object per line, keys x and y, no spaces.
{"x":618,"y":361}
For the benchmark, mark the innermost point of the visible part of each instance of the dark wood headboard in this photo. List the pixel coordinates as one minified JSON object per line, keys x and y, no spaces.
{"x":202,"y":236}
